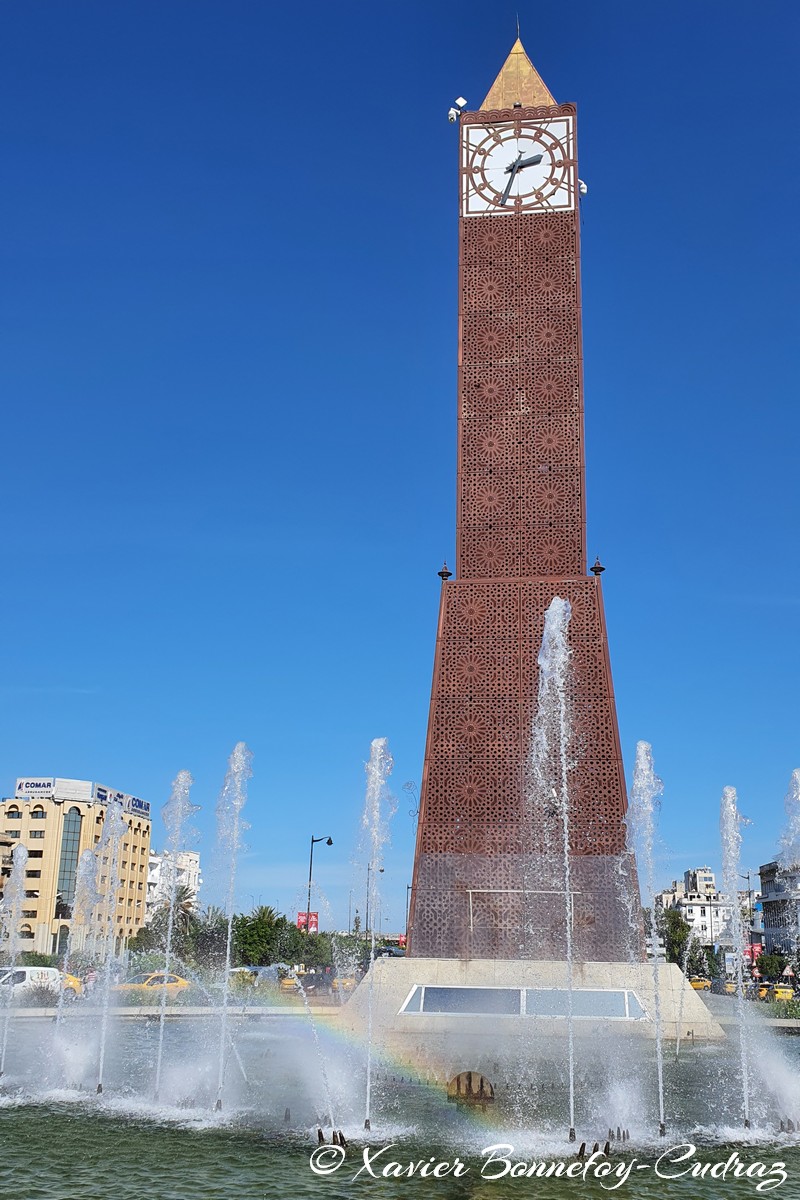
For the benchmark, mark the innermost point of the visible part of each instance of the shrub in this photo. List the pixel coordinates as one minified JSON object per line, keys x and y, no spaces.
{"x":39,"y":996}
{"x":32,"y":958}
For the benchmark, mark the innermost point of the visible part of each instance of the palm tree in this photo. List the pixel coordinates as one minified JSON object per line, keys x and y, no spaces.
{"x":265,"y":914}
{"x":184,"y":913}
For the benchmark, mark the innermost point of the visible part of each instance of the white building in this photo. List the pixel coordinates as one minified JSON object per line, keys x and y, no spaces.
{"x":703,"y":908}
{"x":159,"y":878}
{"x":780,"y":901}
{"x":700,"y":880}
{"x":57,"y":820}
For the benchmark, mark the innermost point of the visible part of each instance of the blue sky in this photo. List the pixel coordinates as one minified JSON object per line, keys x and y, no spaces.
{"x":229,"y":312}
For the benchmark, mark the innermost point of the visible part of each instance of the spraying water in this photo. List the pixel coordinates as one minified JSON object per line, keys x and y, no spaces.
{"x":730,"y":822}
{"x":175,"y":813}
{"x":377,"y":809}
{"x":550,"y":763}
{"x":114,"y":826}
{"x":86,"y":901}
{"x":789,"y":855}
{"x":692,"y":944}
{"x":640,"y":828}
{"x":10,"y":914}
{"x":230,"y":827}
{"x":317,"y":1045}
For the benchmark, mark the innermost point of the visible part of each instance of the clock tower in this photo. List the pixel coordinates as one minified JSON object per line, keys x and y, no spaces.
{"x":485,"y":885}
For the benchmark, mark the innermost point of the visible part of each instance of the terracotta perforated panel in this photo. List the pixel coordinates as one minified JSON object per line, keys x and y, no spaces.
{"x":485,"y":883}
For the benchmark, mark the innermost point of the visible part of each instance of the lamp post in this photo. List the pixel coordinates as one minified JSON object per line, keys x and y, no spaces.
{"x":366,"y":916}
{"x":328,"y":842}
{"x":749,"y":913}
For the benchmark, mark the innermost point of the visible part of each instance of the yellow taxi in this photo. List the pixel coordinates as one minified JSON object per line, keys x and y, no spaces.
{"x":347,"y":983}
{"x":781,"y":991}
{"x":153,"y":981}
{"x":700,"y":983}
{"x":762,"y":987}
{"x":730,"y":987}
{"x":71,"y":986}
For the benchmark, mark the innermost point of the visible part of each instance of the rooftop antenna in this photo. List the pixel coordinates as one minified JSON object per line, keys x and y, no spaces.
{"x":517,"y":26}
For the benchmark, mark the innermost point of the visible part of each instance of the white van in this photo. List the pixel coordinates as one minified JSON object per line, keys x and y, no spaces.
{"x":23,"y":979}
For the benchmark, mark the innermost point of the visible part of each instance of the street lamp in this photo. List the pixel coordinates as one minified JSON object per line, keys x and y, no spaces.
{"x":749,"y":895}
{"x":366,"y":917}
{"x":328,"y":842}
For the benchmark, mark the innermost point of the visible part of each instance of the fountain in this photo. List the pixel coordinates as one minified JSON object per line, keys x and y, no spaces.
{"x":374,"y":823}
{"x":10,"y":914}
{"x":730,"y":822}
{"x":538,"y":1074}
{"x":647,"y":787}
{"x":229,"y":831}
{"x":568,"y":1022}
{"x":176,"y":812}
{"x":114,"y":828}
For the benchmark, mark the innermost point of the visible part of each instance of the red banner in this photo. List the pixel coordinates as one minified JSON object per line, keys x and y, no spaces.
{"x":308,"y":921}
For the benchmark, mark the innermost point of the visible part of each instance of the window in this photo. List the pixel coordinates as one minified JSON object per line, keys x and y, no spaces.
{"x":33,"y":874}
{"x":586,"y":1003}
{"x":38,"y":814}
{"x":68,"y":863}
{"x":14,"y":833}
{"x":35,"y":853}
{"x":37,"y":833}
{"x":702,"y":912}
{"x":29,"y":912}
{"x":26,"y":932}
{"x":13,"y":814}
{"x":31,"y":895}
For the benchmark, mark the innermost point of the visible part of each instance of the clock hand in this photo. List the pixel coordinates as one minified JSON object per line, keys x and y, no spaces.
{"x":532,"y":161}
{"x":511,"y":171}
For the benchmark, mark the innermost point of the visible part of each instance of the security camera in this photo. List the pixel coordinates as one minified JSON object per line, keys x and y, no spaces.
{"x":452,"y":115}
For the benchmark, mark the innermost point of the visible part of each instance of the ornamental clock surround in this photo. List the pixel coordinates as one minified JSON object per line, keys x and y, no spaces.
{"x":518,"y":165}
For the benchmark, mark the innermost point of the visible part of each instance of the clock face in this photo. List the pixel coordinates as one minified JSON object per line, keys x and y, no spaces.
{"x":518,"y":165}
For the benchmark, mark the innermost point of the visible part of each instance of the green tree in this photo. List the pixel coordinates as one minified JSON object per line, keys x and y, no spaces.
{"x":153,"y":936}
{"x":771,"y":965}
{"x":210,"y":938}
{"x":672,"y":929}
{"x":696,"y":960}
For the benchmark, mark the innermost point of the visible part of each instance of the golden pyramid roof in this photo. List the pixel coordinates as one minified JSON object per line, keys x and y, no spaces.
{"x":518,"y":81}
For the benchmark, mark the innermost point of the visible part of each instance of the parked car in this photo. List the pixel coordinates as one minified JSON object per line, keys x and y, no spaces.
{"x":391,"y":952}
{"x":72,"y":986}
{"x":153,"y":981}
{"x":781,"y":991}
{"x":23,"y":979}
{"x":700,"y":983}
{"x":344,"y":984}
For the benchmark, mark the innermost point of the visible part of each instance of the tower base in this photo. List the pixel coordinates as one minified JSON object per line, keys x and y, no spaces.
{"x":452,"y":1015}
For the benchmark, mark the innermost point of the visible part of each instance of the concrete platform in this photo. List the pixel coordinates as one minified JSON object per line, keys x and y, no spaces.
{"x":452,"y":1038}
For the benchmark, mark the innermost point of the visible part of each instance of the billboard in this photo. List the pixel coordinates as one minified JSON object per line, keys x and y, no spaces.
{"x":74,"y":789}
{"x":130,"y":804}
{"x":308,"y":921}
{"x":43,"y":789}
